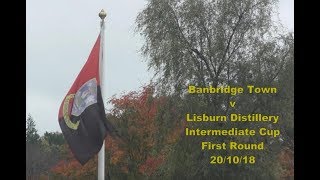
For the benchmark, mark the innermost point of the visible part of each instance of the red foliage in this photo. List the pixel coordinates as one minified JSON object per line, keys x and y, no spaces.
{"x":151,"y":164}
{"x":142,"y":108}
{"x":71,"y":168}
{"x":112,"y":145}
{"x":139,"y":111}
{"x":286,"y":158}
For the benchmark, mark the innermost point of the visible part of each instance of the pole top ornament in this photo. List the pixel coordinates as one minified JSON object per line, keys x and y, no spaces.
{"x":102,"y":14}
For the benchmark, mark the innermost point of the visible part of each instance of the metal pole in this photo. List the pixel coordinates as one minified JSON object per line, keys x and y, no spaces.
{"x":101,"y":163}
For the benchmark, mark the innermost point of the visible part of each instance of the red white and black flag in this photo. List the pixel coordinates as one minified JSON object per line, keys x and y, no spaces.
{"x":81,"y":115}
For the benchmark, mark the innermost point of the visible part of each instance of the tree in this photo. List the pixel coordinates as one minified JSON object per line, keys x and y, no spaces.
{"x":32,"y":135}
{"x":52,"y":149}
{"x":68,"y":167}
{"x":148,"y":127}
{"x":54,"y":138}
{"x":205,"y":42}
{"x":33,"y":152}
{"x":41,"y":152}
{"x":218,"y":43}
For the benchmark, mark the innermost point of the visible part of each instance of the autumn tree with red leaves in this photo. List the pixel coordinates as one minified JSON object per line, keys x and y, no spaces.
{"x":148,"y":126}
{"x":70,"y":168}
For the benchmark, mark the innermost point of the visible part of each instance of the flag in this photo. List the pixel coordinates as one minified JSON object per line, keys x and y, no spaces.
{"x":81,"y":116}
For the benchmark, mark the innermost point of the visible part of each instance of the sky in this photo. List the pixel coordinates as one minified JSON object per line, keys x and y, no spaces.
{"x":59,"y":37}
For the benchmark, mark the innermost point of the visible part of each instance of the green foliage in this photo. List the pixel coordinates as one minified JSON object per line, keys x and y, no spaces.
{"x":54,"y":138}
{"x":207,"y":42}
{"x":42,"y":153}
{"x":32,"y":135}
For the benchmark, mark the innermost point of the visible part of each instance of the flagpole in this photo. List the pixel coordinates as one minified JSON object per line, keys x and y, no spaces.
{"x":101,"y":163}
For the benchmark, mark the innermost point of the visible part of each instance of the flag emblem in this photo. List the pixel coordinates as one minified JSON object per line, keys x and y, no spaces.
{"x":85,"y":96}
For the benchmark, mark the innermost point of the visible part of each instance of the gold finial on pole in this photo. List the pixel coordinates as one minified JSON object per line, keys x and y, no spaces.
{"x":102,"y":14}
